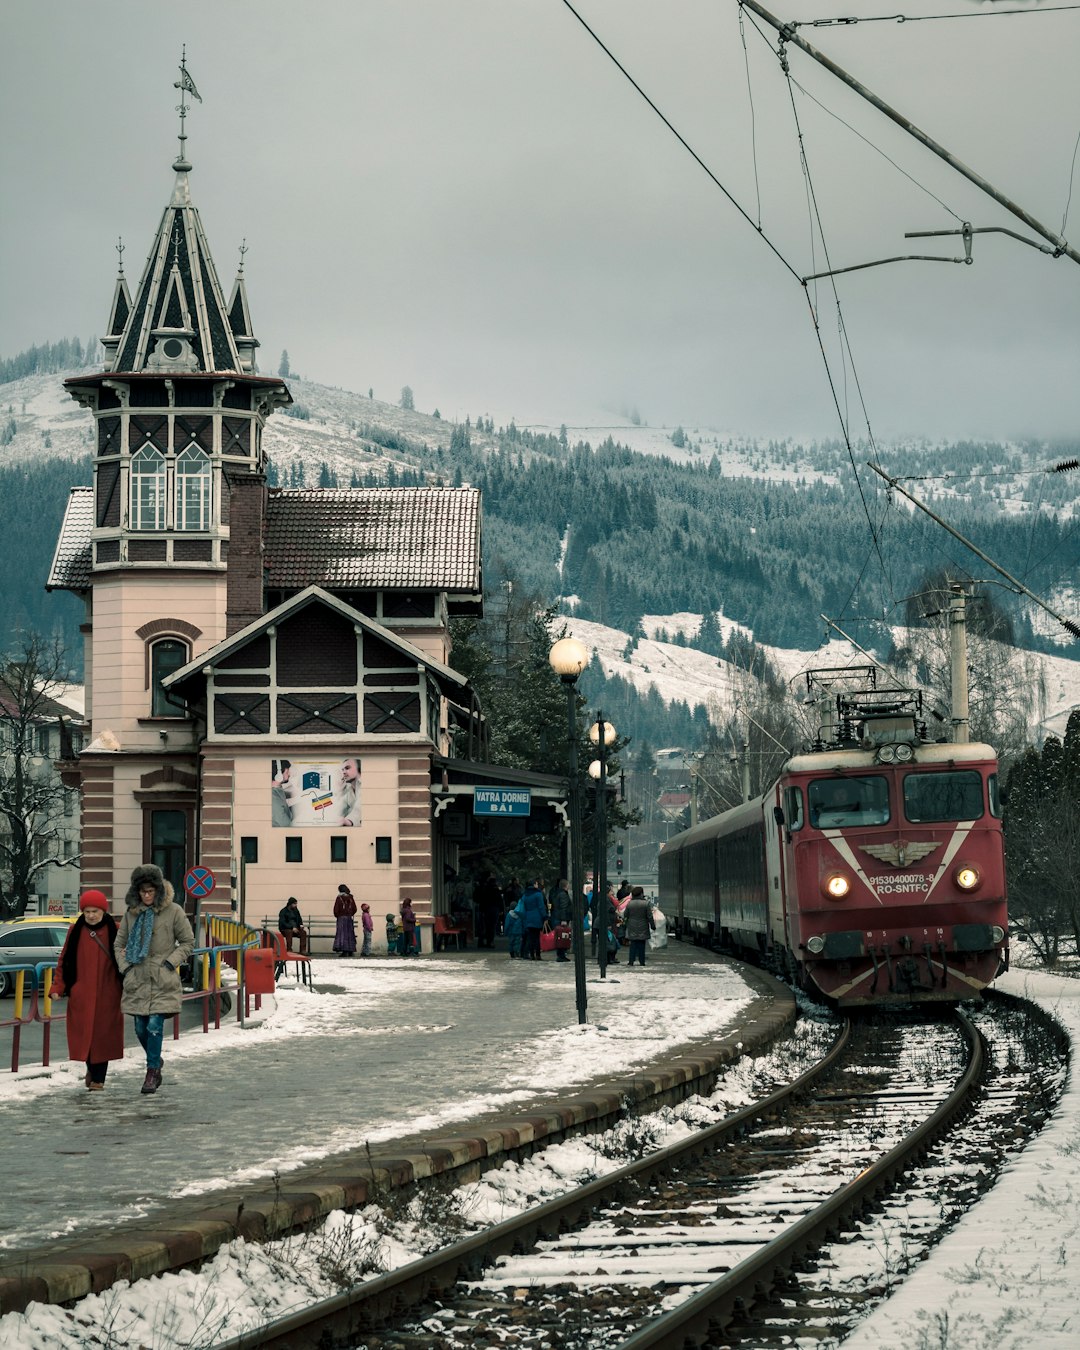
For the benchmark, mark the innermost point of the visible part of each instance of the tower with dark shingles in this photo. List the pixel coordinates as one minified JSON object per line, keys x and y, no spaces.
{"x":180,"y":413}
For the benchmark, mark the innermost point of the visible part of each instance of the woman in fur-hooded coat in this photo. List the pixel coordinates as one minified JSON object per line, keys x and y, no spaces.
{"x":150,"y":958}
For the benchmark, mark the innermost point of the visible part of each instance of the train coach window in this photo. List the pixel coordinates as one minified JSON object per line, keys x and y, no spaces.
{"x":793,"y":808}
{"x":839,"y":803}
{"x":953,"y":795}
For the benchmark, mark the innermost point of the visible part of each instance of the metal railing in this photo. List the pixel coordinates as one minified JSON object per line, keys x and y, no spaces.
{"x":34,"y":1005}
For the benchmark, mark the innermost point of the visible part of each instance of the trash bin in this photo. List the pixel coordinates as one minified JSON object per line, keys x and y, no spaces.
{"x":259,"y":970}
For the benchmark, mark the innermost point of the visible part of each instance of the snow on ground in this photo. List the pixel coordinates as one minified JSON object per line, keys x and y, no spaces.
{"x":1004,"y":1279}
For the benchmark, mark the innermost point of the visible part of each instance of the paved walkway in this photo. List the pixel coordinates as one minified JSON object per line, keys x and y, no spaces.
{"x":385,"y":1052}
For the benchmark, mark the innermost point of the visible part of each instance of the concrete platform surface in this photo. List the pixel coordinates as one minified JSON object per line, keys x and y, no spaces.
{"x":390,"y":1070}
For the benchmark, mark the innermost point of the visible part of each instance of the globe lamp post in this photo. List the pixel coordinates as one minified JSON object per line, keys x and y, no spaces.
{"x":568,"y":658}
{"x":602,"y":734}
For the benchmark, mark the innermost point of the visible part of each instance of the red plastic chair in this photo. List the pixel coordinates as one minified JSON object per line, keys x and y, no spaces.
{"x":282,"y":957}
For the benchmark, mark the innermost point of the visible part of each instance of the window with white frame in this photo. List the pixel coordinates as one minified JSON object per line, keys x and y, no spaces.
{"x":194,"y":479}
{"x":148,"y":489}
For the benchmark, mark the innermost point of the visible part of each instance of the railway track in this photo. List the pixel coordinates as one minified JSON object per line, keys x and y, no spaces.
{"x":678,"y":1245}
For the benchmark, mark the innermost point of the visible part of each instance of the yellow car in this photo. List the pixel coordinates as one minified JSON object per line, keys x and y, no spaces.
{"x":28,"y":942}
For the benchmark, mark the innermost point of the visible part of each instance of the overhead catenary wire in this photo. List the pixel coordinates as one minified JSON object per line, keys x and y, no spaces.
{"x":995,"y":12}
{"x":759,"y":230}
{"x":788,"y":33}
{"x":682,"y":140}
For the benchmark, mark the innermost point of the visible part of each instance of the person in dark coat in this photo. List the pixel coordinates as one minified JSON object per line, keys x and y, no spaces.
{"x":291,"y":925}
{"x":344,"y":909}
{"x":88,"y":975}
{"x":408,"y":928}
{"x":638,"y":918}
{"x":534,"y":914}
{"x":153,"y":942}
{"x":562,"y":912}
{"x":488,"y":901}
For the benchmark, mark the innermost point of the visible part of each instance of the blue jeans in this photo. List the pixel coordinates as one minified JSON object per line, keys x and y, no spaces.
{"x":151,"y":1031}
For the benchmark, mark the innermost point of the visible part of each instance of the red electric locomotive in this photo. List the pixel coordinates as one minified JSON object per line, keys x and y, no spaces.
{"x":873,"y":868}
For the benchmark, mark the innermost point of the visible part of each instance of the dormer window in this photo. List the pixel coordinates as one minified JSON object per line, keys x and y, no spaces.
{"x":194,"y":480}
{"x":148,"y":489}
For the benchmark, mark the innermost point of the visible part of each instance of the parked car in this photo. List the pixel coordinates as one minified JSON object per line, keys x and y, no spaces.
{"x":27,"y":942}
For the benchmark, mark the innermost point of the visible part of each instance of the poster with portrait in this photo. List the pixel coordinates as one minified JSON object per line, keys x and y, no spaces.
{"x":314,"y":792}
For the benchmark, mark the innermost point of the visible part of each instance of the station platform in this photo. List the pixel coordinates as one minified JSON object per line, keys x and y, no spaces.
{"x":389,"y":1070}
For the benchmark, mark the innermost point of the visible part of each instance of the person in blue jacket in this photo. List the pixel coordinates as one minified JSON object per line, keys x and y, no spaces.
{"x":513,"y":929}
{"x":534,"y":914}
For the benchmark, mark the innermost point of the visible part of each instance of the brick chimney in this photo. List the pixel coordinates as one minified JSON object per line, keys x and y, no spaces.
{"x":247,"y":515}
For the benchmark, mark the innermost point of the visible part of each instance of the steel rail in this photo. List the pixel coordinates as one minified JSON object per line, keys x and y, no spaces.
{"x":366,"y":1306}
{"x":702,"y":1316}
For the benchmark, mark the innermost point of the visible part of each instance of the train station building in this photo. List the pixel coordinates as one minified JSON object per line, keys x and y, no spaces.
{"x":269,"y":678}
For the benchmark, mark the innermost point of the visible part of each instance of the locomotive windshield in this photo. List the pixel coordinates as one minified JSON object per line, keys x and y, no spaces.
{"x":837,"y":803}
{"x":957,"y":795}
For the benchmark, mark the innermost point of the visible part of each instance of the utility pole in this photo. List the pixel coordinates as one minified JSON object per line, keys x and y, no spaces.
{"x":959,"y":665}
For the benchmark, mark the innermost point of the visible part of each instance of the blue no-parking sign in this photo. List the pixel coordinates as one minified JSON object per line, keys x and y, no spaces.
{"x":199,"y":882}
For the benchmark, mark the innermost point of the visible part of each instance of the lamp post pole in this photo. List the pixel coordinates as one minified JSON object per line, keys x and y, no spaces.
{"x":569,"y":658}
{"x":601,"y":733}
{"x":577,"y":897}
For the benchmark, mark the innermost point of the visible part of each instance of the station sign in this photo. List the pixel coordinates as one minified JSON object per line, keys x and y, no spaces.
{"x":501,"y":801}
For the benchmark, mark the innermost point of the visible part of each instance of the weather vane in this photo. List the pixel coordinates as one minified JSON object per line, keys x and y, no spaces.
{"x":186,"y":85}
{"x":243,"y":250}
{"x":120,"y":252}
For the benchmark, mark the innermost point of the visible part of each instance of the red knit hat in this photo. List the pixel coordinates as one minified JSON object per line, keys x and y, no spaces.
{"x":94,"y":900}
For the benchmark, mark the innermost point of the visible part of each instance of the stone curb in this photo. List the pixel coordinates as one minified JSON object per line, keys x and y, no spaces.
{"x":65,"y":1271}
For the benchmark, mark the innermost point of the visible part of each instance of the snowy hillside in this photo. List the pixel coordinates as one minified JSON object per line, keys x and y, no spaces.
{"x":685,"y":675}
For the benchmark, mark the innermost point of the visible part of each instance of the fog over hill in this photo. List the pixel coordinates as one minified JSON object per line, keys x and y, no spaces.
{"x":341,"y":437}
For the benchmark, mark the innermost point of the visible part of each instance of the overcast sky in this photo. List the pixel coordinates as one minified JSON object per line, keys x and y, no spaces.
{"x":466,"y":196}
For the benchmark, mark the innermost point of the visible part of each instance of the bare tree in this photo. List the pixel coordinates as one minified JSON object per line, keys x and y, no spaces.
{"x":761,"y":729}
{"x":32,"y":797}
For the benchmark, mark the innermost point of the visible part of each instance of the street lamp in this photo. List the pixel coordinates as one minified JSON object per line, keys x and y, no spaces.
{"x":602,"y":734}
{"x":568,"y":658}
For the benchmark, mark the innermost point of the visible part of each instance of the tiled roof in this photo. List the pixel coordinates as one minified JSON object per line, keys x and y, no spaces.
{"x":337,"y":538}
{"x":374,"y":538}
{"x":71,"y":562}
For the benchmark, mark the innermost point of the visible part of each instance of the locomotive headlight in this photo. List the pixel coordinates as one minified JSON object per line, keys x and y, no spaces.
{"x":886,"y":754}
{"x":815,"y":945}
{"x":967,"y":877}
{"x":997,"y":934}
{"x":837,"y":886}
{"x":904,"y":753}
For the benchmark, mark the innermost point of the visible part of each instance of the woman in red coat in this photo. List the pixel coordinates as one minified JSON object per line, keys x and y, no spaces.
{"x":88,"y":974}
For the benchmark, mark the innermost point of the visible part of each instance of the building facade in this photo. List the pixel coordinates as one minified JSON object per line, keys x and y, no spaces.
{"x":268,"y":682}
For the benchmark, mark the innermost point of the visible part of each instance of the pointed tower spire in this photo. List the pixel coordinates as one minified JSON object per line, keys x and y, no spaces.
{"x":178,"y":320}
{"x":119,"y":311}
{"x":240,"y":317}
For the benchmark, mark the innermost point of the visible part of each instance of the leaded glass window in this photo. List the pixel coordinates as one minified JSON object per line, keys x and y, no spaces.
{"x":148,"y":489}
{"x":193,"y":489}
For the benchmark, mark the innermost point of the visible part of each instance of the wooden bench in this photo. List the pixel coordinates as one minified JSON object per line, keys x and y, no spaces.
{"x":444,"y":929}
{"x":282,"y":956}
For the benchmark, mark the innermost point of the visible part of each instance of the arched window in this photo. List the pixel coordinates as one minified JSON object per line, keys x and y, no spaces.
{"x":148,"y":489}
{"x":166,"y":655}
{"x":193,"y":489}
